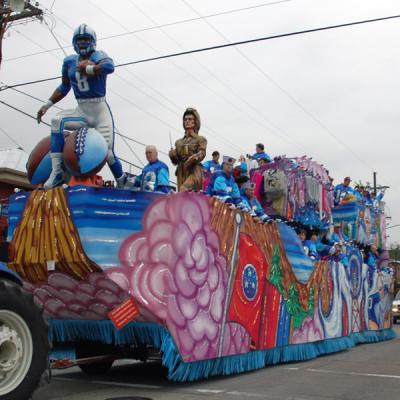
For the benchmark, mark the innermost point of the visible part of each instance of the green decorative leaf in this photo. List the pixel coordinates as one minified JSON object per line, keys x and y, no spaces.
{"x":276,"y":274}
{"x":293,"y":305}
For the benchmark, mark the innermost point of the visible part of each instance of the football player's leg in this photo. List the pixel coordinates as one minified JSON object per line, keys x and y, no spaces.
{"x":112,"y":160}
{"x":68,"y":119}
{"x":116,"y":168}
{"x":105,"y":125}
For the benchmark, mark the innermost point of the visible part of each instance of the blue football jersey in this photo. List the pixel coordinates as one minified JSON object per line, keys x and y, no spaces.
{"x":86,"y":87}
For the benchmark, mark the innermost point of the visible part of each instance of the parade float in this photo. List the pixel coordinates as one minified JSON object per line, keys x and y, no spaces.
{"x":121,"y":273}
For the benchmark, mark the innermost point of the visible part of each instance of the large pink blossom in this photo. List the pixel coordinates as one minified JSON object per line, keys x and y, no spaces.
{"x":174,"y":270}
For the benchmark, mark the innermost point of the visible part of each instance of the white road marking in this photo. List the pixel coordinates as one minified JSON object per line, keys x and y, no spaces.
{"x":246,"y":394}
{"x":216,"y":391}
{"x":327,"y":371}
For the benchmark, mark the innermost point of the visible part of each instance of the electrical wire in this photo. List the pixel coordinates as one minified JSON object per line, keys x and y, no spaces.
{"x":184,"y":21}
{"x":43,"y":122}
{"x":11,"y":139}
{"x":226,"y":45}
{"x":209,"y":131}
{"x":55,"y":37}
{"x":222,"y":139}
{"x":272,"y":128}
{"x":240,"y":43}
{"x":285,"y":92}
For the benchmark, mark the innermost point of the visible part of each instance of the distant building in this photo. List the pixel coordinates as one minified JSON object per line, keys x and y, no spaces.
{"x":12,"y":175}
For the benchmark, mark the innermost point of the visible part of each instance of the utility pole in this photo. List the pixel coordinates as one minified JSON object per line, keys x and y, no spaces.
{"x":377,"y":187}
{"x":374,"y":184}
{"x":14,"y":10}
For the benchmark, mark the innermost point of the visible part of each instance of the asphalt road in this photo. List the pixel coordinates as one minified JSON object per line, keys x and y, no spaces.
{"x":368,"y":371}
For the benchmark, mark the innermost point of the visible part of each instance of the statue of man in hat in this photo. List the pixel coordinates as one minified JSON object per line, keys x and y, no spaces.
{"x":189,"y":152}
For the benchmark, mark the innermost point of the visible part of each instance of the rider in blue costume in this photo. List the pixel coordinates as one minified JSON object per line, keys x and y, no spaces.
{"x":212,"y":165}
{"x":225,"y":187}
{"x":339,"y":256}
{"x":251,"y":203}
{"x":342,"y":190}
{"x":155,"y":175}
{"x":312,"y":247}
{"x":337,"y":235}
{"x":372,"y":262}
{"x":86,"y":72}
{"x":260,"y":153}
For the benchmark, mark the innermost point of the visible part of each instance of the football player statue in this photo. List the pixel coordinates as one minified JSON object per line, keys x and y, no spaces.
{"x":87,"y":73}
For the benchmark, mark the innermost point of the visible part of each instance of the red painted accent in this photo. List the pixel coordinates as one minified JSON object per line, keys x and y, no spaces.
{"x":272,"y":304}
{"x":124,"y":313}
{"x":206,"y":181}
{"x":36,"y":156}
{"x":345,"y":314}
{"x":248,"y":312}
{"x":363,"y":324}
{"x":257,"y":178}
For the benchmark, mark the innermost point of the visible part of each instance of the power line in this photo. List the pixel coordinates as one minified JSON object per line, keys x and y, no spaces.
{"x":279,"y":132}
{"x":116,"y":131}
{"x":21,"y":111}
{"x":286,"y":93}
{"x":219,"y":137}
{"x":11,"y":139}
{"x":221,"y":46}
{"x":26,"y":94}
{"x":46,"y":123}
{"x":124,"y":137}
{"x":392,"y":226}
{"x":183,"y":21}
{"x":55,"y":37}
{"x":222,"y":139}
{"x":130,"y":148}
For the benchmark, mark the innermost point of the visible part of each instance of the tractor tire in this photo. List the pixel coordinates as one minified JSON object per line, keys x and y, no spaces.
{"x":24,"y":343}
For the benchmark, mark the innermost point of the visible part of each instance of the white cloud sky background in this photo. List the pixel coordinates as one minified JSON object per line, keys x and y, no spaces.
{"x":333,"y":95}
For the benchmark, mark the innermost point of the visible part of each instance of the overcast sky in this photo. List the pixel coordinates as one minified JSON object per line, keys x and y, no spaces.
{"x":333,"y":95}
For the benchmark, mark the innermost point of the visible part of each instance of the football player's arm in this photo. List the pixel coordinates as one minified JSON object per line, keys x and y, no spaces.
{"x":103,"y":67}
{"x":61,"y":91}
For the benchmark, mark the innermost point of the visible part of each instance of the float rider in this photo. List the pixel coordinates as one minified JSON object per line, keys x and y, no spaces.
{"x":251,"y":203}
{"x":224,"y":186}
{"x":155,"y":175}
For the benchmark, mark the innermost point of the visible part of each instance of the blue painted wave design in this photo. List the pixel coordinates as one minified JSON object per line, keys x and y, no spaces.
{"x":301,"y":264}
{"x":15,"y":208}
{"x":346,"y":212}
{"x":104,"y":218}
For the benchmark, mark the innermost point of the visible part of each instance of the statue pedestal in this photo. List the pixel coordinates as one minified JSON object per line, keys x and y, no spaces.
{"x":95,"y":180}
